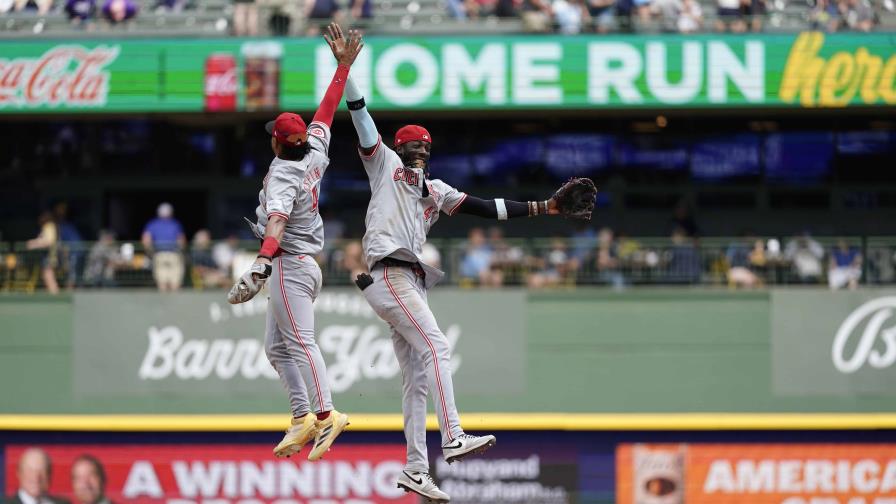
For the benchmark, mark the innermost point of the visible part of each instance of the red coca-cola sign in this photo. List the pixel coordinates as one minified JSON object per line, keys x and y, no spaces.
{"x":220,"y":82}
{"x":66,"y":75}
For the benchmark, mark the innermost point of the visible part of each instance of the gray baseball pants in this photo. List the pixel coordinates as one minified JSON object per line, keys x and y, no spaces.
{"x":289,"y":335}
{"x":398,"y":296}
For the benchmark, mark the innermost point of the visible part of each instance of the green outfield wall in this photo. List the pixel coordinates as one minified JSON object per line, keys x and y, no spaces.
{"x":587,"y":351}
{"x":448,"y":73}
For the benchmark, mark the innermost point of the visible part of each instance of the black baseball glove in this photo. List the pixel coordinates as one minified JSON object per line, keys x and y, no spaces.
{"x":576,"y":198}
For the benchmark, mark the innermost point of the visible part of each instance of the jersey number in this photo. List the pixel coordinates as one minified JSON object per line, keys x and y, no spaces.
{"x":314,"y":198}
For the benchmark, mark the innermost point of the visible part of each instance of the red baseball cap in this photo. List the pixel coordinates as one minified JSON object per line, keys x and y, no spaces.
{"x":410,"y":133}
{"x":288,"y":129}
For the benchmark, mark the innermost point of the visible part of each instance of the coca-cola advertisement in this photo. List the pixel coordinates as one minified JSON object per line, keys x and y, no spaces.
{"x":64,"y":75}
{"x":206,"y":474}
{"x":220,"y":83}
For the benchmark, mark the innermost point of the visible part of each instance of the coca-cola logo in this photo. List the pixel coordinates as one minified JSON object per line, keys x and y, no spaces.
{"x":874,"y":314}
{"x":69,"y":75}
{"x":221,"y":84}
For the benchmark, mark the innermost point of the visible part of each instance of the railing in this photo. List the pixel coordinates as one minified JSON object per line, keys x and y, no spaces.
{"x":536,"y":263}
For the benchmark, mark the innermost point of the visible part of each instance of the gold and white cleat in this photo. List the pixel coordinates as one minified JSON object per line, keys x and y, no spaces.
{"x":300,"y":433}
{"x":327,"y":431}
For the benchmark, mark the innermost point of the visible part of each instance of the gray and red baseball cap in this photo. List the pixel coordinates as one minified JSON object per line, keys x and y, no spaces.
{"x":288,"y":128}
{"x":410,"y":133}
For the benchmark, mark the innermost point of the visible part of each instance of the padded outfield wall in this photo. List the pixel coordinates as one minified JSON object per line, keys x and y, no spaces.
{"x":662,"y":395}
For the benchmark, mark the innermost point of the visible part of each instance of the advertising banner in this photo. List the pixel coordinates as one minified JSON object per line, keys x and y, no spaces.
{"x":833,"y":343}
{"x":190,"y":348}
{"x":445,"y":73}
{"x":756,"y":474}
{"x":217,"y":474}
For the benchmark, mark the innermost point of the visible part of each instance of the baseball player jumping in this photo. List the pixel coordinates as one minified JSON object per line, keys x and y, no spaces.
{"x":404,"y":205}
{"x":291,"y":228}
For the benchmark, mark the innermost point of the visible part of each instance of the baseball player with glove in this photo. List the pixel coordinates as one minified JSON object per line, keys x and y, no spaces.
{"x":404,"y":205}
{"x":291,"y":228}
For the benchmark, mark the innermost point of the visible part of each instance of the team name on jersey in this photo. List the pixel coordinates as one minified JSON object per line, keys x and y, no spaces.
{"x":407,"y":175}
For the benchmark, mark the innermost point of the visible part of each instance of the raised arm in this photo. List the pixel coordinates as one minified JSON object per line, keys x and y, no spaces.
{"x":364,"y":125}
{"x":345,"y":50}
{"x":367,"y":134}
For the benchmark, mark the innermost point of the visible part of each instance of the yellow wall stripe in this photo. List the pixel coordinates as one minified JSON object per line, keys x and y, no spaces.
{"x":475,"y":422}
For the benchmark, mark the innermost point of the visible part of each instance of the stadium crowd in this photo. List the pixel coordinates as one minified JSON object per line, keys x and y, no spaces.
{"x":591,"y":255}
{"x":243,"y":17}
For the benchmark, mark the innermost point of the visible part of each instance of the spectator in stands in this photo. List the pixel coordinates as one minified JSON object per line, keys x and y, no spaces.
{"x":430,"y":255}
{"x":361,"y":9}
{"x":70,"y":244}
{"x":729,"y":16}
{"x":668,"y":12}
{"x":506,"y":260}
{"x":858,"y":14}
{"x":119,"y":11}
{"x":41,"y":6}
{"x":457,"y":9}
{"x":81,"y":12}
{"x":507,"y":8}
{"x":245,"y":18}
{"x":353,"y":259}
{"x":825,"y":16}
{"x":570,"y":16}
{"x":205,"y":269}
{"x":805,"y":255}
{"x":584,"y":243}
{"x":553,"y":267}
{"x":102,"y":261}
{"x":89,"y":481}
{"x":319,"y":13}
{"x":33,"y":472}
{"x":224,"y":252}
{"x":537,"y":16}
{"x":607,"y":259}
{"x":601,"y":14}
{"x":742,"y":256}
{"x":476,"y":262}
{"x":643,"y":10}
{"x":164,"y":238}
{"x":48,"y":240}
{"x":753,"y":12}
{"x":845,"y":268}
{"x":690,"y":18}
{"x":683,"y":263}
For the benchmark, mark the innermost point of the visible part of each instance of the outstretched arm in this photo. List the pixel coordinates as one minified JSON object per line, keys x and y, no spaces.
{"x":502,"y":209}
{"x":574,"y":199}
{"x":345,"y":50}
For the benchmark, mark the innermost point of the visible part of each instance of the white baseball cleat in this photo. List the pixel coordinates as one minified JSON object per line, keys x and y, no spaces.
{"x":421,"y":483}
{"x":465,"y":445}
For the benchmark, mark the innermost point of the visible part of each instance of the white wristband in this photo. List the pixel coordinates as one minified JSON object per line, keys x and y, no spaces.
{"x":502,"y":208}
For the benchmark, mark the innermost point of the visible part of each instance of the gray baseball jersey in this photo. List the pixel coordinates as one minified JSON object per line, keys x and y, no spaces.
{"x":291,"y":190}
{"x":398,"y":216}
{"x":398,"y":220}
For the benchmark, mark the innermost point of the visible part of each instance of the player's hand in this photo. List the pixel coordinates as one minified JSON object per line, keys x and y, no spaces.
{"x":250,"y":283}
{"x":345,"y":50}
{"x":265,"y":264}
